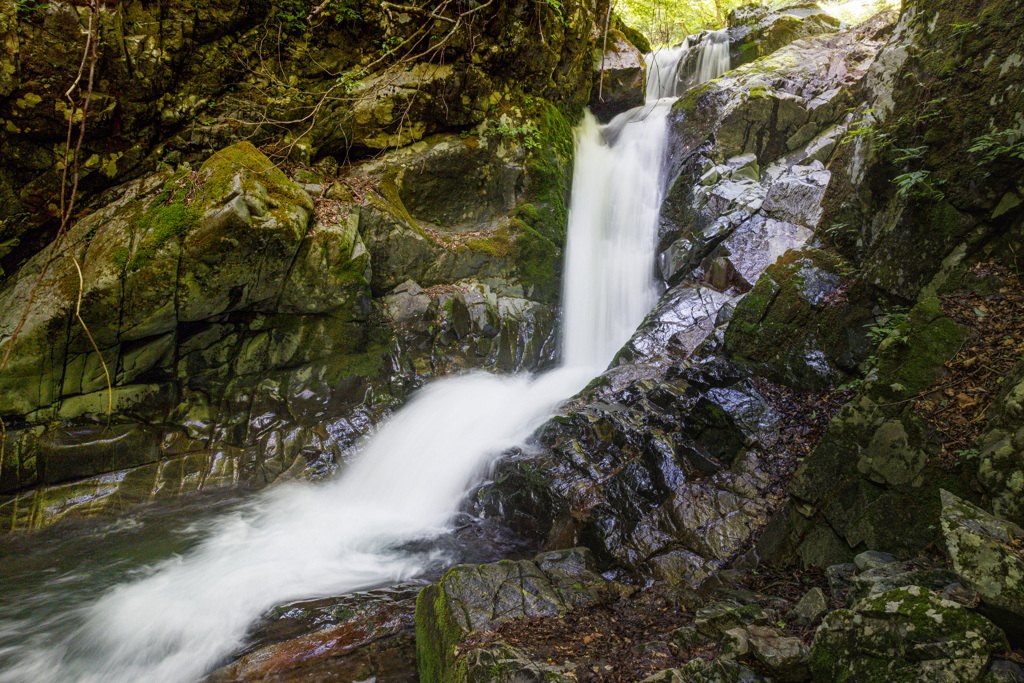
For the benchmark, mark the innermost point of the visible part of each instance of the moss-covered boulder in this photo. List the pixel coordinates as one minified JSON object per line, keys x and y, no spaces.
{"x":1001,"y":451}
{"x":988,"y":557}
{"x":472,"y":598}
{"x":758,"y":30}
{"x":874,"y":462}
{"x":906,"y":634}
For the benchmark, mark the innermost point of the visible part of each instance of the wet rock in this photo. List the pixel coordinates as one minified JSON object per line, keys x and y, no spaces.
{"x":906,"y":634}
{"x":797,"y":326}
{"x":361,"y":636}
{"x":840,"y":578}
{"x":470,"y":598}
{"x":796,"y":197}
{"x":987,"y":557}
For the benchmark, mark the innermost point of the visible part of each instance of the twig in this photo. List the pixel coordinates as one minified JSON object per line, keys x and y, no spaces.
{"x":78,"y":314}
{"x":604,"y":50}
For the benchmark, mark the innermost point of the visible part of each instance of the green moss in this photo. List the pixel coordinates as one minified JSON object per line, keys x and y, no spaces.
{"x":758,"y":91}
{"x":159,"y":225}
{"x":219,"y":172}
{"x":688,"y":102}
{"x":912,"y":358}
{"x":120,"y":257}
{"x":437,"y":635}
{"x":499,"y":244}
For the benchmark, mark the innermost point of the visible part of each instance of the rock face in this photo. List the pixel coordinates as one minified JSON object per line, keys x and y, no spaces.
{"x":1001,"y":451}
{"x":254,"y":324}
{"x":906,"y":634}
{"x":620,"y":77}
{"x":917,"y":200}
{"x":756,"y":30}
{"x":874,"y":459}
{"x":167,"y":89}
{"x":658,"y":466}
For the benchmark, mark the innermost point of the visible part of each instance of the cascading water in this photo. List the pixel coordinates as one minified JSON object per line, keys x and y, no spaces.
{"x":673,"y":70}
{"x":182,"y":615}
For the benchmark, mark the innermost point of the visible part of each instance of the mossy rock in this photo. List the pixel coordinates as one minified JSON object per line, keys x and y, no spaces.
{"x":794,"y":327}
{"x":903,"y":635}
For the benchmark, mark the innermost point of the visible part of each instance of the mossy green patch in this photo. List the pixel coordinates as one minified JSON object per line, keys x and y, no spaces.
{"x":437,"y":635}
{"x":158,"y":225}
{"x":499,"y":244}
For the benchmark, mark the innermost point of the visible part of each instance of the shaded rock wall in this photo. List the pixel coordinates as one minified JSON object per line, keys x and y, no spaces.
{"x":175,"y":83}
{"x":254,"y":323}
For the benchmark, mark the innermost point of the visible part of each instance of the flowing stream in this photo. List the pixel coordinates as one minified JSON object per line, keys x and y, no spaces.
{"x":172,"y":607}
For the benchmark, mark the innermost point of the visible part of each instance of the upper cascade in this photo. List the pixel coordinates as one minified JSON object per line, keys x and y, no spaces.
{"x":698,"y":59}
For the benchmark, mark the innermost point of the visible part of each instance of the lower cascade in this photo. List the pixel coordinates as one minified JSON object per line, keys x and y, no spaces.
{"x":179,"y":617}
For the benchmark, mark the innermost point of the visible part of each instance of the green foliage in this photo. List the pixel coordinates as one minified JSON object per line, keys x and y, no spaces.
{"x":865,"y":129}
{"x":998,"y":143}
{"x":916,"y":184}
{"x":667,"y":23}
{"x":887,"y":324}
{"x":525,"y":132}
{"x":294,"y":17}
{"x":26,"y":8}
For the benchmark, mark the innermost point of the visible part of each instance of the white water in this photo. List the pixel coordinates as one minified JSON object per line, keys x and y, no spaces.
{"x":301,"y":541}
{"x":671,"y":71}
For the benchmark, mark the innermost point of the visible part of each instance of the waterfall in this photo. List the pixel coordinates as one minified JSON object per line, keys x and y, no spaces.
{"x":698,"y":59}
{"x":180,"y":617}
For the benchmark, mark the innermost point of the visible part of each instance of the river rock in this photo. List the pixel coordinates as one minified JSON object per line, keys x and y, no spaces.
{"x":905,"y":634}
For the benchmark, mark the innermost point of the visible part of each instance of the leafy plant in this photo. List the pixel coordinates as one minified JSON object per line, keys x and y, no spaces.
{"x":916,"y":184}
{"x":904,"y":154}
{"x":968,"y":453}
{"x":887,"y":324}
{"x":998,"y":143}
{"x":526,"y":132}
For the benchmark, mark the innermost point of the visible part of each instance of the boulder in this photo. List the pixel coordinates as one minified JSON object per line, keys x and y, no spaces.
{"x":471,"y":598}
{"x":905,"y":634}
{"x":799,"y":326}
{"x":1001,"y":450}
{"x":785,"y":657}
{"x":988,"y":557}
{"x":758,"y":30}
